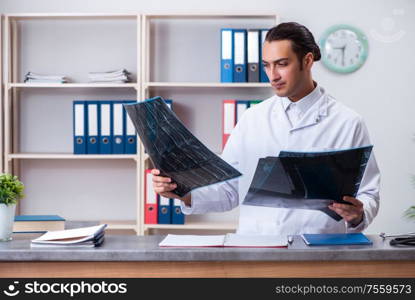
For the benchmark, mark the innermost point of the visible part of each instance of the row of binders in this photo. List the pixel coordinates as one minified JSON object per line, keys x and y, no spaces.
{"x":232,"y":113}
{"x":103,"y":127}
{"x":159,"y":209}
{"x":241,"y":55}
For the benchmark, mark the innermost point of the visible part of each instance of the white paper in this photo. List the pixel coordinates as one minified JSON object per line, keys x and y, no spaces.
{"x":174,"y":240}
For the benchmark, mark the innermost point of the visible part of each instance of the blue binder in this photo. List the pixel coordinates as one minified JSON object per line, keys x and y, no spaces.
{"x":118,"y":121}
{"x":328,"y":239}
{"x":130,"y":133}
{"x":241,"y":107}
{"x":93,"y":127}
{"x":105,"y":138}
{"x":79,"y":127}
{"x":262,"y":75}
{"x":169,"y":103}
{"x":164,"y":210}
{"x":226,"y":64}
{"x":239,"y":55}
{"x":177,"y":215}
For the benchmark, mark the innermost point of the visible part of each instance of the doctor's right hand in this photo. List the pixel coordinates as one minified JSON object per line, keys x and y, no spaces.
{"x":164,"y":185}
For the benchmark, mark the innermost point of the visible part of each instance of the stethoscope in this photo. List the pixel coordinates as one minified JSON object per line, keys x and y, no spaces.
{"x":407,"y":239}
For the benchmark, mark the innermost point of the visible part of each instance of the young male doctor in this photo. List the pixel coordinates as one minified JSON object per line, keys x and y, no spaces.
{"x":302,"y":116}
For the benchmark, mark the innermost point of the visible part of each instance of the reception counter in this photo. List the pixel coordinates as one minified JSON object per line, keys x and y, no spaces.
{"x":140,"y":256}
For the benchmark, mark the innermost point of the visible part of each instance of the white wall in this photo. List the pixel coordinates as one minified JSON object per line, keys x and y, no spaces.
{"x":380,"y":91}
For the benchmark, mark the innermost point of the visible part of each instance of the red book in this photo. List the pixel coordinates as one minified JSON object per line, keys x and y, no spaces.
{"x":150,"y":207}
{"x":229,"y":119}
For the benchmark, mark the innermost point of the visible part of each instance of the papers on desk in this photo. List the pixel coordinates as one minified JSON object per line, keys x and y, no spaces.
{"x":228,"y":240}
{"x":92,"y":236}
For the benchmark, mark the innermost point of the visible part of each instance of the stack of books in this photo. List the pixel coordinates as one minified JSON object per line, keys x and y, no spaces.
{"x":92,"y":236}
{"x":37,"y":223}
{"x":31,"y":77}
{"x":117,"y":76}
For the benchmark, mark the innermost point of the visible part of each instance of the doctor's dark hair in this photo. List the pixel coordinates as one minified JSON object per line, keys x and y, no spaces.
{"x":302,"y":40}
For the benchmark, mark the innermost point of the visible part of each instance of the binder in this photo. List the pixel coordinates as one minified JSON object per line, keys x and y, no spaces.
{"x":177,"y":214}
{"x":79,"y":127}
{"x":93,"y":127}
{"x":118,"y":137}
{"x":229,"y":119}
{"x":150,"y":206}
{"x":169,"y":103}
{"x":164,"y":210}
{"x":130,"y":133}
{"x":253,"y":55}
{"x":226,"y":72}
{"x":239,"y":54}
{"x":105,"y":138}
{"x":262,"y":75}
{"x":241,"y":107}
{"x":254,"y":102}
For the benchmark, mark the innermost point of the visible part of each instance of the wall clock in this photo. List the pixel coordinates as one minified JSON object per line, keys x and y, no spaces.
{"x":344,"y":48}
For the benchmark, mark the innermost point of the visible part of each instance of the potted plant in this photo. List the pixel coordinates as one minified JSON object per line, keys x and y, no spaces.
{"x":11,"y":190}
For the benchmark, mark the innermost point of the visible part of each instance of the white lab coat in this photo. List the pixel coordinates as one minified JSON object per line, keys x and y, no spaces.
{"x":265,"y":130}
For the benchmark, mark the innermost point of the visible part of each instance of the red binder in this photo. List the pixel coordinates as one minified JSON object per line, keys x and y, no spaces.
{"x":150,"y":207}
{"x":228,"y":119}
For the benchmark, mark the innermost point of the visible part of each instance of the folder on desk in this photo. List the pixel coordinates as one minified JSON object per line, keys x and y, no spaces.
{"x":118,"y":136}
{"x":79,"y":127}
{"x":226,"y":72}
{"x":228,"y":119}
{"x":130,"y":133}
{"x":164,"y":210}
{"x":239,"y":54}
{"x":253,"y":48}
{"x":150,"y":207}
{"x":332,"y":239}
{"x":93,"y":127}
{"x":177,"y":214}
{"x":105,"y":138}
{"x":262,"y":75}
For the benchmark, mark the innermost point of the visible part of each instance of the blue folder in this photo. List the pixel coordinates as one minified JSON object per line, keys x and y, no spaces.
{"x":328,"y":239}
{"x":93,"y":127}
{"x":38,"y":218}
{"x":226,"y":69}
{"x":118,"y":127}
{"x":262,"y":75}
{"x":79,"y":127}
{"x":129,"y":132}
{"x":239,"y":55}
{"x":164,"y":210}
{"x":105,"y":138}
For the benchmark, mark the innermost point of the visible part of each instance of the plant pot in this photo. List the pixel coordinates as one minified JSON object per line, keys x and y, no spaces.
{"x":6,"y":221}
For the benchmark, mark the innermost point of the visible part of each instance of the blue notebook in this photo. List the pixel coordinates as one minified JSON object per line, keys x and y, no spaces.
{"x":38,"y":218}
{"x":328,"y":239}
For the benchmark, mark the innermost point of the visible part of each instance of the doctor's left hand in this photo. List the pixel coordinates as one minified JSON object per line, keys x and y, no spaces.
{"x":351,"y":213}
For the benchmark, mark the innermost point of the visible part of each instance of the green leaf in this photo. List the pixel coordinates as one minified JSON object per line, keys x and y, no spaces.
{"x":11,"y":189}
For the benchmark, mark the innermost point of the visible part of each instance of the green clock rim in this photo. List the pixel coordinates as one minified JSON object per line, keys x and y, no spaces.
{"x":362,"y":38}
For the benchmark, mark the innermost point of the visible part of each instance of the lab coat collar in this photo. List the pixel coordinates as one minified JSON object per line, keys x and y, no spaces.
{"x":306,"y":102}
{"x":314,"y":114}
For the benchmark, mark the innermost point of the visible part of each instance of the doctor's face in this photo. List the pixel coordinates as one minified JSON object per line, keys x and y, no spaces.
{"x":283,"y":68}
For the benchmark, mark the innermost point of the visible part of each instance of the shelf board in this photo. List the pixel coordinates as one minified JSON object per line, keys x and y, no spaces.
{"x":72,"y":85}
{"x":69,"y":156}
{"x":226,"y":14}
{"x":194,"y":225}
{"x":120,"y":224}
{"x":70,"y":15}
{"x":208,"y":84}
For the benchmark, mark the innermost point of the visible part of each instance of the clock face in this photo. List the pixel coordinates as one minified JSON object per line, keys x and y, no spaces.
{"x":344,"y":49}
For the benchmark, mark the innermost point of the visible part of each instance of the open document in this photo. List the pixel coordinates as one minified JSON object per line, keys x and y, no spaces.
{"x":174,"y":150}
{"x":308,"y":180}
{"x":228,"y":240}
